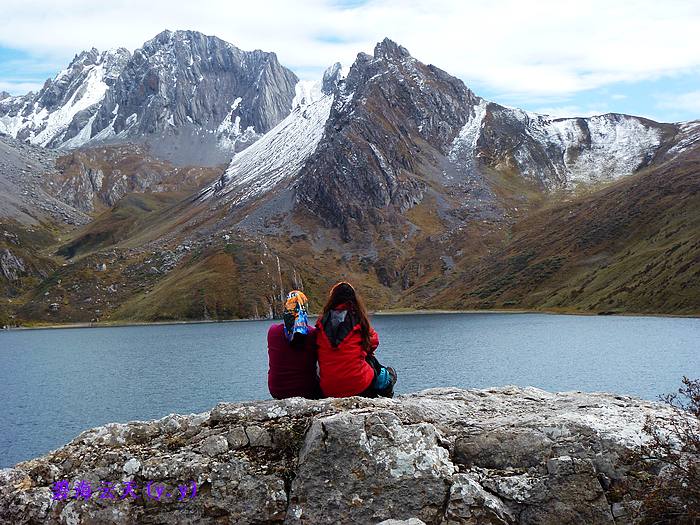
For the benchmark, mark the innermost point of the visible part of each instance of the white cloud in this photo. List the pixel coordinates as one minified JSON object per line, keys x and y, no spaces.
{"x":19,"y":87}
{"x":547,"y":48}
{"x":570,"y":111}
{"x":681,"y":102}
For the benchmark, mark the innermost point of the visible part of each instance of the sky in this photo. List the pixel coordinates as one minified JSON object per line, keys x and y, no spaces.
{"x":564,"y":58}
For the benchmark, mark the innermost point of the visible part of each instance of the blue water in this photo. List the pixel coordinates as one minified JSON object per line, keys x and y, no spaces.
{"x":56,"y":383}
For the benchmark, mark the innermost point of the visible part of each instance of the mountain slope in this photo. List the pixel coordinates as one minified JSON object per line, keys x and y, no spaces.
{"x":28,"y":177}
{"x":632,"y":246}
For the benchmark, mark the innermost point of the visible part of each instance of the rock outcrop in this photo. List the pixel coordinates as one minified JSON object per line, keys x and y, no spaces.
{"x":506,"y":455}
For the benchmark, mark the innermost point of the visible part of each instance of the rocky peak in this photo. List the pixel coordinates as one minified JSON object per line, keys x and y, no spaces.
{"x":4,"y":95}
{"x":85,"y":58}
{"x":114,"y":61}
{"x":390,"y":119}
{"x":331,"y":78}
{"x":161,"y":38}
{"x":505,"y":455}
{"x":57,"y":91}
{"x":181,"y":44}
{"x":195,"y":99}
{"x":390,"y":50}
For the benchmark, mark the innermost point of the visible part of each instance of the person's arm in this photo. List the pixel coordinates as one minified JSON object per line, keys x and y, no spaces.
{"x":311,"y":342}
{"x":373,"y":339}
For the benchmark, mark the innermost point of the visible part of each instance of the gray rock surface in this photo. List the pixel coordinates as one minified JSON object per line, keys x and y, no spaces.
{"x":12,"y":267}
{"x":506,"y":455}
{"x":29,"y":184}
{"x":187,"y":93}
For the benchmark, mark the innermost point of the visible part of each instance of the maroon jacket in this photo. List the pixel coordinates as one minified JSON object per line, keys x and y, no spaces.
{"x":292,"y":366}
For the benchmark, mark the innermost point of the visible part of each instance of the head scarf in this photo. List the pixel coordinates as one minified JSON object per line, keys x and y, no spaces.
{"x":296,"y":319}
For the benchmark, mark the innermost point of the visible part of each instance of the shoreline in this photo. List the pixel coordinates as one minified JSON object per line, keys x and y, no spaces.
{"x":382,"y":313}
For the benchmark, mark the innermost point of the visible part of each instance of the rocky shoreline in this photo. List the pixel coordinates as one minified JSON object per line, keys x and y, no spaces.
{"x":504,"y":455}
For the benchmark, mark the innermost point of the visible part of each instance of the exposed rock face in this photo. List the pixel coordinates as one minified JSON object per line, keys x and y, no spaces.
{"x":398,"y":126}
{"x":11,"y":266}
{"x":557,"y":152}
{"x":505,"y":455}
{"x":192,"y":97}
{"x":376,"y":143}
{"x":91,"y":178}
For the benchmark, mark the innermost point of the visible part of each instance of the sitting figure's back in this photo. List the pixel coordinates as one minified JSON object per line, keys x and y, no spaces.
{"x":291,"y":349}
{"x":346,"y":344}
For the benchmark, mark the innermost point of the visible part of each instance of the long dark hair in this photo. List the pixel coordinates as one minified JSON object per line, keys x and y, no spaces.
{"x":344,"y":293}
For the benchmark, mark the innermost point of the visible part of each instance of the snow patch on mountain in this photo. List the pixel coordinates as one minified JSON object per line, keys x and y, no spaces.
{"x":277,"y":156}
{"x":229,"y":132}
{"x":463,"y":147}
{"x":600,"y":148}
{"x":689,"y":137}
{"x":558,"y":151}
{"x":55,"y":123}
{"x":83,"y":136}
{"x":307,"y":92}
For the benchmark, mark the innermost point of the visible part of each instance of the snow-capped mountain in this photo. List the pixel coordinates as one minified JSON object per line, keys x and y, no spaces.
{"x":355,"y":148}
{"x":395,"y":130}
{"x":559,"y":152}
{"x":191,"y":93}
{"x":58,"y":112}
{"x":191,"y":97}
{"x":392,"y":173}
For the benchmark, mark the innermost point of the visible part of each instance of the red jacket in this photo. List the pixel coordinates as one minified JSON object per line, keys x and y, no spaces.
{"x":341,"y":358}
{"x":292,"y":369}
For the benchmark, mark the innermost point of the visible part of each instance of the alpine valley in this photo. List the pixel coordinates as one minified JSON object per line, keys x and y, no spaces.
{"x":193,"y":180}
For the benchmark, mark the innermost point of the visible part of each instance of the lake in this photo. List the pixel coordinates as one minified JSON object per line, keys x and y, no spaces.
{"x":56,"y":383}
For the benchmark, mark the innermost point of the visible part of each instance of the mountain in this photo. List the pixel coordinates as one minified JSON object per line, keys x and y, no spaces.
{"x":391,"y":173}
{"x":397,"y":132}
{"x":191,"y":98}
{"x":630,"y":246}
{"x":58,"y":112}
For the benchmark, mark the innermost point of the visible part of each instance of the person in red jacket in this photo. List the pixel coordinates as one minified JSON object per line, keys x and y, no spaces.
{"x":291,"y":350}
{"x":346,"y":344}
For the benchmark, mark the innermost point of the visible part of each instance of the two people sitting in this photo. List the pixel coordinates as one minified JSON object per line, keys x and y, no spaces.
{"x":336,"y":358}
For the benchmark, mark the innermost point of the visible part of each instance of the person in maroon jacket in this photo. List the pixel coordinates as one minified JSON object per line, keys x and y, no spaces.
{"x":346,"y":345}
{"x":291,"y":350}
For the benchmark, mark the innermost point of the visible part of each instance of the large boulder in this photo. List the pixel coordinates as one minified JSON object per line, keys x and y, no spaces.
{"x":498,"y":456}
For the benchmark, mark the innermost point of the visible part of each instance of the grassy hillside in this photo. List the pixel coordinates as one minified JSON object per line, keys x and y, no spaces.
{"x":633,"y":246}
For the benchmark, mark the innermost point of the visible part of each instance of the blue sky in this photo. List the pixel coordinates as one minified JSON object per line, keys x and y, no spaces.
{"x":561,"y":57}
